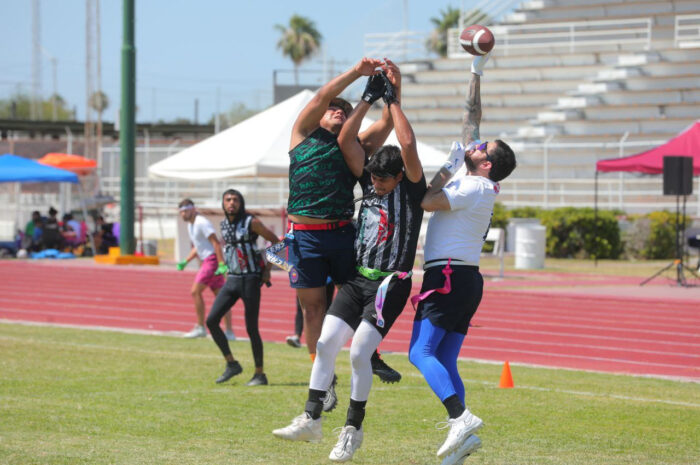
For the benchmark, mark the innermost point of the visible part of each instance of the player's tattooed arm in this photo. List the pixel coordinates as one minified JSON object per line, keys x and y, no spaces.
{"x":472,"y":111}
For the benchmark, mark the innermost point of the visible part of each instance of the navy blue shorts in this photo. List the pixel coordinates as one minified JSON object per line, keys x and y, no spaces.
{"x":319,"y":254}
{"x":455,"y":310}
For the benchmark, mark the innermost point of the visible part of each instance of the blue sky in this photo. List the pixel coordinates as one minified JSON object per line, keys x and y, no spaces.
{"x":188,"y":49}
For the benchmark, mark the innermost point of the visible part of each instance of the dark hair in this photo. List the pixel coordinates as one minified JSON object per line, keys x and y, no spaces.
{"x":241,"y":211}
{"x":386,"y":162}
{"x":52,"y":211}
{"x":502,"y":161}
{"x":185,"y":202}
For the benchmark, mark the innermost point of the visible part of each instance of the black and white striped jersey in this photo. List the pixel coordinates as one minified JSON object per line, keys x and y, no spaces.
{"x":240,"y":250}
{"x":388,"y":226}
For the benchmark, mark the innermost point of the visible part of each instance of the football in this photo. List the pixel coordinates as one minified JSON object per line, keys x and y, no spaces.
{"x":477,"y":39}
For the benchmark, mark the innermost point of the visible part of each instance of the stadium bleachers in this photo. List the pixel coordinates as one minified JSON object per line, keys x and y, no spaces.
{"x":551,"y":100}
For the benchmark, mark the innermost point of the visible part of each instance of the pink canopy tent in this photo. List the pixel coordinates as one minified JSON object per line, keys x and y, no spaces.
{"x":687,"y":144}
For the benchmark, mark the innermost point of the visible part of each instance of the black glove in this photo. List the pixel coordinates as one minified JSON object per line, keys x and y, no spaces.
{"x":389,"y":92}
{"x":374,"y":89}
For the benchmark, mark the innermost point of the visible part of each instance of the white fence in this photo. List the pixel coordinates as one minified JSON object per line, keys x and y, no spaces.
{"x":567,"y":35}
{"x":686,"y":33}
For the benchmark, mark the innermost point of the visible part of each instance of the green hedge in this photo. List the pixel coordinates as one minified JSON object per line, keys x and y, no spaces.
{"x":571,"y":232}
{"x":652,"y":236}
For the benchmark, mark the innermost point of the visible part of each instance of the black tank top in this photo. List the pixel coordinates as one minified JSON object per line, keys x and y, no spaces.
{"x":240,"y":251}
{"x":320,"y":182}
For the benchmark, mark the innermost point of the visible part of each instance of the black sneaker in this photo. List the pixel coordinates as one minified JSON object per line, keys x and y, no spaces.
{"x":331,"y":400}
{"x":258,"y":379}
{"x":232,"y":369}
{"x":384,"y":371}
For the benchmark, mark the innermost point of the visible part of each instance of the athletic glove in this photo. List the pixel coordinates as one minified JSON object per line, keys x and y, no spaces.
{"x":181,"y":266}
{"x":478,"y":63}
{"x":374,"y":89}
{"x":221,"y":269}
{"x":455,"y":159}
{"x":390,"y":92}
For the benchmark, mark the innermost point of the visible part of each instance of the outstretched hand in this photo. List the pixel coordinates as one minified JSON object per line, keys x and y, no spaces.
{"x":392,"y":73}
{"x":479,"y":62}
{"x":374,"y":89}
{"x":455,"y":159}
{"x":367,"y":66}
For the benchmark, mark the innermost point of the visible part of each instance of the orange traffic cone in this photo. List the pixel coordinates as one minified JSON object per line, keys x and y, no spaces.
{"x":506,"y":377}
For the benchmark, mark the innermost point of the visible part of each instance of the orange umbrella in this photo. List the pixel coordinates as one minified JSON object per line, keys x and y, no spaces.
{"x":73,"y":163}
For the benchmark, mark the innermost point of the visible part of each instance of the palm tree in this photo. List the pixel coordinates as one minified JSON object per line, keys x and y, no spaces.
{"x":437,"y":42}
{"x":299,"y":41}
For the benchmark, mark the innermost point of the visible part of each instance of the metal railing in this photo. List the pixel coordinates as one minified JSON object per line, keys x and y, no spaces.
{"x":569,"y":35}
{"x":400,"y":46}
{"x":686,"y":33}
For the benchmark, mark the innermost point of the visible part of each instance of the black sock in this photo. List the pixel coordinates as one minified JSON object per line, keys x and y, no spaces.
{"x":454,"y":406}
{"x":375,"y":355}
{"x":314,"y":404}
{"x":356,"y":413}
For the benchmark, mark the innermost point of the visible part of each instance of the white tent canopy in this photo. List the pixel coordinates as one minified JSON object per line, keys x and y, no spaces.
{"x":258,"y":146}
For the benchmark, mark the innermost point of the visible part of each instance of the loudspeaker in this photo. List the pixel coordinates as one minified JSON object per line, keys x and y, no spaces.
{"x":678,"y":175}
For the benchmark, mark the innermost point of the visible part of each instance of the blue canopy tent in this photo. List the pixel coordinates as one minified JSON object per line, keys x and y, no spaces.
{"x":20,"y":170}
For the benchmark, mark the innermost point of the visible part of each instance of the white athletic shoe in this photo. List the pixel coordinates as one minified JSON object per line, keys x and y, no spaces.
{"x":469,"y":446}
{"x":460,"y":428}
{"x":349,"y":440}
{"x":303,"y":428}
{"x":230,"y":335}
{"x":197,"y":331}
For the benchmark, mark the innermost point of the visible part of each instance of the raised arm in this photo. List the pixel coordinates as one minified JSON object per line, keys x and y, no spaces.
{"x":407,"y":141}
{"x":308,"y":119}
{"x":472,"y":109}
{"x":353,"y":152}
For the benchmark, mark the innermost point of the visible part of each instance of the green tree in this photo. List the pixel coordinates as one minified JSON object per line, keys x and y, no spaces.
{"x":18,"y":106}
{"x":437,"y":42}
{"x":237,"y":113}
{"x":99,"y":102}
{"x":299,"y":41}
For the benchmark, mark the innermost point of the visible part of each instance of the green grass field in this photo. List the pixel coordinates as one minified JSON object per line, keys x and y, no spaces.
{"x":72,"y":396}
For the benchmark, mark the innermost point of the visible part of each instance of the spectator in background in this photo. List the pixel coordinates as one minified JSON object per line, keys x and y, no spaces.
{"x":104,"y":236}
{"x":51,"y":237}
{"x":71,"y":231}
{"x":32,"y":233}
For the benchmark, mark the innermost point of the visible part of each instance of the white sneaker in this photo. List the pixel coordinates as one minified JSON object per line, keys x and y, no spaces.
{"x":303,"y":428}
{"x":460,"y":428}
{"x":230,"y":335}
{"x":349,"y":440}
{"x":293,"y":341}
{"x":197,"y":331}
{"x":470,"y":445}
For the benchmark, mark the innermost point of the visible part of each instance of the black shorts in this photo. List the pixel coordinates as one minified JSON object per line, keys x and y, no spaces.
{"x":455,"y":310}
{"x":355,"y":301}
{"x":316,"y":255}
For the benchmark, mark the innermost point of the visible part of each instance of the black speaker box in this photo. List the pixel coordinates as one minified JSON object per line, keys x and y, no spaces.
{"x":678,"y":175}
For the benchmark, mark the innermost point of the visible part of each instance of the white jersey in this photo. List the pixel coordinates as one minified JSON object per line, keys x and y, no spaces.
{"x":459,"y":233}
{"x":199,"y":232}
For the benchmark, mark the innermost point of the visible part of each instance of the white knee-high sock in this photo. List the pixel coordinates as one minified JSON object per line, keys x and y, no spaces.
{"x":334,"y":334}
{"x":364,"y":343}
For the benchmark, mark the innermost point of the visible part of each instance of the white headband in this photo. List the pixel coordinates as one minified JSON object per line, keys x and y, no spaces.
{"x":184,"y":208}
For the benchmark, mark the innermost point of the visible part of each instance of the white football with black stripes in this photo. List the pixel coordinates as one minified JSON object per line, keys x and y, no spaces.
{"x":477,"y":39}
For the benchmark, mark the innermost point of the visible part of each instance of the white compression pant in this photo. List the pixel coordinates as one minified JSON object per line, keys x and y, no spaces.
{"x":334,"y":334}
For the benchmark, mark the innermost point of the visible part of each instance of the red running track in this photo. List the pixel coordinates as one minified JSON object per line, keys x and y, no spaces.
{"x":570,"y":328}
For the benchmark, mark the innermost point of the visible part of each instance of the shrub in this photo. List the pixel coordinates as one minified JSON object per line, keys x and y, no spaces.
{"x":652,"y":236}
{"x":574,"y":233}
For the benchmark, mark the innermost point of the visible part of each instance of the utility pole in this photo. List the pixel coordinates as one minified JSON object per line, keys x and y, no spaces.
{"x":196,"y":111}
{"x":127,"y":134}
{"x":35,"y":107}
{"x":89,"y":84}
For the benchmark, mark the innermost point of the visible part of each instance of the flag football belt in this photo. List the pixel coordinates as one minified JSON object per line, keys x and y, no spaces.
{"x":447,"y":261}
{"x":372,"y":274}
{"x":445,"y":289}
{"x":318,"y":227}
{"x":383,"y":288}
{"x":271,"y":253}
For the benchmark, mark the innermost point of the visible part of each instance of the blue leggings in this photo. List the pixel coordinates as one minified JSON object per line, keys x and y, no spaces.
{"x":434,"y":352}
